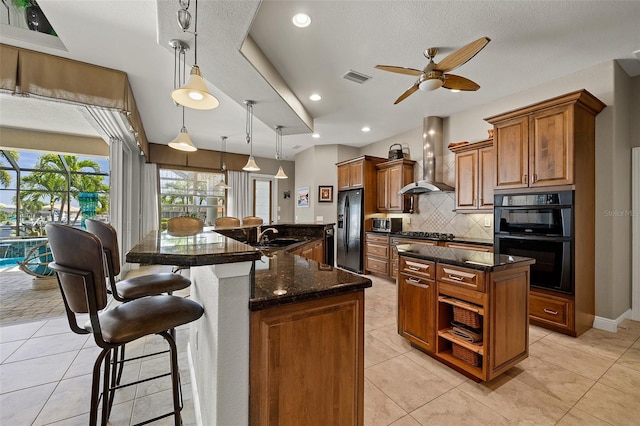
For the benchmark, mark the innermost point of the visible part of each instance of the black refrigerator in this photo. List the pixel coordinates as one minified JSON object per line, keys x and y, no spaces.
{"x":350,"y":232}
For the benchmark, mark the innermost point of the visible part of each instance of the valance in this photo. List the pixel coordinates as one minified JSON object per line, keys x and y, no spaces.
{"x":47,"y":76}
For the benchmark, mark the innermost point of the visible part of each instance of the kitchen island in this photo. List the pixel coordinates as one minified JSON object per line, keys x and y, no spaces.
{"x":278,"y":329}
{"x":467,"y":309}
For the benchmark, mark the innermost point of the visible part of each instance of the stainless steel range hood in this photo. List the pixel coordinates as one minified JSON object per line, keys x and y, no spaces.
{"x":432,"y":138}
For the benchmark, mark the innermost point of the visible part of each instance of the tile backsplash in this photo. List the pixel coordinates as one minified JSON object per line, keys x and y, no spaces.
{"x":436,"y":214}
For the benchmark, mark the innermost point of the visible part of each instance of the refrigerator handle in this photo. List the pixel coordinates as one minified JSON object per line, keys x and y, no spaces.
{"x":347,"y":207}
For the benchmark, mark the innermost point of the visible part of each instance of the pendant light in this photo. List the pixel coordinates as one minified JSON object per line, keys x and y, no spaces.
{"x":182,"y":142}
{"x":251,"y":165}
{"x":194,"y":94}
{"x":221,"y":186}
{"x":281,"y":174}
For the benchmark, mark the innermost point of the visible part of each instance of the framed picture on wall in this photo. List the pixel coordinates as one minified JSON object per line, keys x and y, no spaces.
{"x":325,"y":194}
{"x":303,"y":197}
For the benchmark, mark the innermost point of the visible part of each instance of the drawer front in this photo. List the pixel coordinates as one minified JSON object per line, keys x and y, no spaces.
{"x":417,"y":267}
{"x":485,"y":249}
{"x":375,"y":238}
{"x":373,"y":264}
{"x":463,"y":277}
{"x":554,"y":310}
{"x":377,"y":250}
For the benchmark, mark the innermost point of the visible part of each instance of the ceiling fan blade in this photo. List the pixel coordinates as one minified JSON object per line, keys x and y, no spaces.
{"x":462,"y":55}
{"x":456,"y":82}
{"x":399,"y":70}
{"x":406,"y":94}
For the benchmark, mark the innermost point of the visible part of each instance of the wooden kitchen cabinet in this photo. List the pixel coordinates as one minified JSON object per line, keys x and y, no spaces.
{"x":417,"y":303}
{"x":432,"y":294}
{"x":313,"y":250}
{"x":536,"y":146}
{"x":467,"y":246}
{"x":323,"y":384}
{"x":474,"y":176}
{"x":376,"y":254}
{"x":392,"y":176}
{"x":351,"y":175}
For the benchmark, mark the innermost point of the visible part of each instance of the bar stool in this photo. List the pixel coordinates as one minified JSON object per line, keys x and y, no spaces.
{"x":79,"y":266}
{"x":227,"y":222}
{"x":185,"y":225}
{"x":136,"y":287}
{"x":132,"y":288}
{"x":252,"y":220}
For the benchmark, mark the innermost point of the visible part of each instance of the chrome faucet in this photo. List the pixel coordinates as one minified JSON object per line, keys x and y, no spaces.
{"x":261,"y":233}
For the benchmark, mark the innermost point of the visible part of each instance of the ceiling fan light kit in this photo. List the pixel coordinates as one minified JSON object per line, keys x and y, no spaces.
{"x":434,"y":75}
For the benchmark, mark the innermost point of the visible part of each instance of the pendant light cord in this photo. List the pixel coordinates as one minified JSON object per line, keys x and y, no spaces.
{"x":249,"y":128}
{"x":195,"y":34}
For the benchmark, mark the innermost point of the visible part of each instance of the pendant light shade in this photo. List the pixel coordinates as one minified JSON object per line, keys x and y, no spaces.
{"x":194,"y":94}
{"x":182,"y":142}
{"x":251,"y":165}
{"x":281,"y":174}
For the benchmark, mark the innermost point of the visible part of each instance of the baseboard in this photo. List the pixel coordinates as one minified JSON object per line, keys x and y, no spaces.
{"x":194,"y":388}
{"x":611,"y":325}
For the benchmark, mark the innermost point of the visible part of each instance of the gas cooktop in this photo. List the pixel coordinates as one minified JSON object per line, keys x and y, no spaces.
{"x":427,"y":235}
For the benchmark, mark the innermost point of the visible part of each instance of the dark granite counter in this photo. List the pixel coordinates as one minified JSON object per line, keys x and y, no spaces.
{"x":280,"y":277}
{"x":487,"y":262}
{"x":284,"y":278}
{"x":203,"y":248}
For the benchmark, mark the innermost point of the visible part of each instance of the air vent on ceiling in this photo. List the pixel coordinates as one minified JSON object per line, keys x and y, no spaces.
{"x":296,"y":147}
{"x":356,"y":77}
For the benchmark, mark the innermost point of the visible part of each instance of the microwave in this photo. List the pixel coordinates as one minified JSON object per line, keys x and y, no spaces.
{"x":386,"y":224}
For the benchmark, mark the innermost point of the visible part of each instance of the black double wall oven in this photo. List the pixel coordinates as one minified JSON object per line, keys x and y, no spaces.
{"x":538,"y":225}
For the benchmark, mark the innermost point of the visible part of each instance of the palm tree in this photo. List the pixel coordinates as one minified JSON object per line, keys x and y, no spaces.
{"x":5,"y":176}
{"x":51,"y":181}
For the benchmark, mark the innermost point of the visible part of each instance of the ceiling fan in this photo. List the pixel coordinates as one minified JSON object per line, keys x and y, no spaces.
{"x":433,"y":75}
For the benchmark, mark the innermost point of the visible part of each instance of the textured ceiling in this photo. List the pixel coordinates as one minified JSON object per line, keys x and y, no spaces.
{"x":532,"y":42}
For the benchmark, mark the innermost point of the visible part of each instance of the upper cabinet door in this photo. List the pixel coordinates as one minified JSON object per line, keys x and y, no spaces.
{"x":343,"y":177}
{"x":466,"y":179}
{"x":395,"y":183}
{"x":511,"y":153}
{"x":551,"y":147}
{"x":486,"y":173}
{"x":356,"y":174}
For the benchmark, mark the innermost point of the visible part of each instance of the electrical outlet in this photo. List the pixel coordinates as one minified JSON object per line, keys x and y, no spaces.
{"x":320,"y":219}
{"x":487,"y":222}
{"x":409,"y":220}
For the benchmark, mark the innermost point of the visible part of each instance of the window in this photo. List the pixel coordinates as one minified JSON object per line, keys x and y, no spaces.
{"x":37,"y":188}
{"x":191,"y":193}
{"x":262,"y":194}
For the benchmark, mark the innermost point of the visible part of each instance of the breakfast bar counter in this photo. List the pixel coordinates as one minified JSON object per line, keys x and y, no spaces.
{"x":276,"y":325}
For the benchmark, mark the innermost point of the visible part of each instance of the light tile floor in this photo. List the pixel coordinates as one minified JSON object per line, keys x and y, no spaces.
{"x":591,"y":380}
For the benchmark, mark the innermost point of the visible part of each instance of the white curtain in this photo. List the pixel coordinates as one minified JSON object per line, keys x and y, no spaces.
{"x":239,"y":196}
{"x":149,"y":202}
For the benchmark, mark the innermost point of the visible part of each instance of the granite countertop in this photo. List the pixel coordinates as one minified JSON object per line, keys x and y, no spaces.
{"x":284,"y":278}
{"x":202,"y":248}
{"x":472,"y":259}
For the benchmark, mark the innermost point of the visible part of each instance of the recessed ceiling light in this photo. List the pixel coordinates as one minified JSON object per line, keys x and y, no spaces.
{"x":366,"y":129}
{"x":315,"y":97}
{"x":301,"y":20}
{"x":315,"y":135}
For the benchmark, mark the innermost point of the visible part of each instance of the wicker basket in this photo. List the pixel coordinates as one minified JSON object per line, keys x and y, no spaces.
{"x":467,"y":317}
{"x":466,"y":355}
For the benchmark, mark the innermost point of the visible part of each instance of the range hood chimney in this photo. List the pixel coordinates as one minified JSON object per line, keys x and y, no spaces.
{"x":432,"y":138}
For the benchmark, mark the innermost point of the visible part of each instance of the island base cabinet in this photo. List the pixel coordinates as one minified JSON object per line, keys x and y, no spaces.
{"x":307,"y":363}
